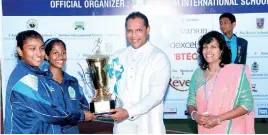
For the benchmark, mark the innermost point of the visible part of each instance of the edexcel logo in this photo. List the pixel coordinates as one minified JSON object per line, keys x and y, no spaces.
{"x":176,"y":44}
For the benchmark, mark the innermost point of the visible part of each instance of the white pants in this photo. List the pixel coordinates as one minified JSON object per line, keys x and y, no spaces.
{"x":126,"y":127}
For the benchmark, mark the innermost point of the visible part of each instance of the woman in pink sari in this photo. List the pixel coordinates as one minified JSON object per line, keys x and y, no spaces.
{"x":220,"y":98}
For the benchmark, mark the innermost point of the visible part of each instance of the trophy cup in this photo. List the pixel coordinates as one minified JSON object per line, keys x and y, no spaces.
{"x":97,"y":65}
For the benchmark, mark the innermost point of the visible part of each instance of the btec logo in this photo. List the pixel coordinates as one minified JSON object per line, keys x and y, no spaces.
{"x":182,"y":44}
{"x":263,"y":111}
{"x":185,"y":56}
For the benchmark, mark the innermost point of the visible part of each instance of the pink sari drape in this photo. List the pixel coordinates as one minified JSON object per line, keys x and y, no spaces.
{"x":222,"y":100}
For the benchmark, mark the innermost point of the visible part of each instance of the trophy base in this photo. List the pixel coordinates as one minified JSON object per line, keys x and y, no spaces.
{"x":99,"y":108}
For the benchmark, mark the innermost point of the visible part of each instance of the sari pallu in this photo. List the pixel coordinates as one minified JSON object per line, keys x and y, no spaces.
{"x":223,"y":98}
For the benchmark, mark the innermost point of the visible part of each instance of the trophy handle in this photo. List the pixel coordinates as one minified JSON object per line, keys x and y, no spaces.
{"x":84,"y":76}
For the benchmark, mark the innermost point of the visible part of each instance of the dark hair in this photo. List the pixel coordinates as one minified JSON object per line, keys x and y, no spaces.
{"x":230,"y":16}
{"x":50,"y":43}
{"x":25,"y":35}
{"x":208,"y":38}
{"x":137,"y":14}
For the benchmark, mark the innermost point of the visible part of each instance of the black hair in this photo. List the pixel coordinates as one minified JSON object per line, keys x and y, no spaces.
{"x":25,"y":35}
{"x":138,"y":14}
{"x":50,"y":43}
{"x":230,"y":16}
{"x":208,"y":38}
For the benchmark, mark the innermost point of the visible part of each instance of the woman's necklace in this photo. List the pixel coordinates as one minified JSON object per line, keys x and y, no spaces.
{"x":209,"y":92}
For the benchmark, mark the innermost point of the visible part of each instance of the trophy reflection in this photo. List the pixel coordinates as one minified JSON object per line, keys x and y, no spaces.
{"x":103,"y":101}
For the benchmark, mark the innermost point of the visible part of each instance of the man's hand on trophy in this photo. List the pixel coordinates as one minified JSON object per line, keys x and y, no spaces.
{"x":89,"y":116}
{"x":118,"y":114}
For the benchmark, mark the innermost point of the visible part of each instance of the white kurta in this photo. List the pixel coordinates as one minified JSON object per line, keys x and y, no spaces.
{"x":142,"y":88}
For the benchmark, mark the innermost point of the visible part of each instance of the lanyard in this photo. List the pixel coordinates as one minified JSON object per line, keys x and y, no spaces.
{"x":209,"y":92}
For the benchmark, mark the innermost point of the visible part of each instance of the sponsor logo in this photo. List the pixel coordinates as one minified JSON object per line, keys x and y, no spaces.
{"x":179,"y":84}
{"x":74,"y":35}
{"x":43,"y":35}
{"x":32,"y":24}
{"x":79,"y":26}
{"x":185,"y":56}
{"x":256,"y":73}
{"x":260,"y":23}
{"x":170,"y":110}
{"x":259,"y":29}
{"x":254,"y":67}
{"x":183,"y":71}
{"x":263,"y":111}
{"x":253,"y":33}
{"x":182,"y":45}
{"x":193,"y":31}
{"x":254,"y":88}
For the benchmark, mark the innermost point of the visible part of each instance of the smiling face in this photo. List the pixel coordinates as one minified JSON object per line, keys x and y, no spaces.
{"x":136,"y":32}
{"x":32,"y":52}
{"x":211,"y":52}
{"x":57,"y":56}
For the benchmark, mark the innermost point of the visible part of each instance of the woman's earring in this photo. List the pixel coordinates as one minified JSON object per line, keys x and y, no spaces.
{"x":221,"y":55}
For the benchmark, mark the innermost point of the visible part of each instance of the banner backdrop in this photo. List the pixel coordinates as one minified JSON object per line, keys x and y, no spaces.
{"x":176,"y":26}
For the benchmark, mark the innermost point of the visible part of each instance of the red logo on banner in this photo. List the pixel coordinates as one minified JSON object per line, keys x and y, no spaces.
{"x":185,"y":56}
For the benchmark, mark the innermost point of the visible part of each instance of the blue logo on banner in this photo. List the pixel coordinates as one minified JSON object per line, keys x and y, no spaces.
{"x":255,"y":67}
{"x":260,"y":23}
{"x":263,"y":111}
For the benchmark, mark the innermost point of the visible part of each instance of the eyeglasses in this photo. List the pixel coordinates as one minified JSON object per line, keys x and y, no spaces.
{"x":229,"y":44}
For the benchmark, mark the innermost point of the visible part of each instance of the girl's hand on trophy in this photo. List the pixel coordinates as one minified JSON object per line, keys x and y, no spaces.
{"x":89,"y":116}
{"x":118,"y":114}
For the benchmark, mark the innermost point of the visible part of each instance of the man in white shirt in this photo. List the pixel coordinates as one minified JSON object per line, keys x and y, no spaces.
{"x":144,"y":81}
